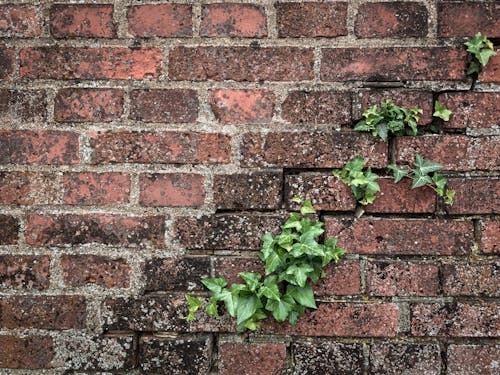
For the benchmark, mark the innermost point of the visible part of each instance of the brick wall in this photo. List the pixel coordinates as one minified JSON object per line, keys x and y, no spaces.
{"x":146,"y":145}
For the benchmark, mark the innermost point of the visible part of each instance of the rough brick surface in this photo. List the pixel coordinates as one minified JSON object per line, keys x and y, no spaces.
{"x":6,"y":62}
{"x":85,"y":20}
{"x":30,"y":352}
{"x":89,"y":188}
{"x":471,"y":279}
{"x":490,"y":237}
{"x":342,"y":279}
{"x":81,"y":270}
{"x":173,"y":189}
{"x":491,"y":72}
{"x":24,"y":272}
{"x":160,"y":20}
{"x":327,"y":357}
{"x":9,"y":228}
{"x":23,"y":105}
{"x":233,"y":20}
{"x":466,"y":18}
{"x":475,"y":195}
{"x":260,"y":358}
{"x":473,"y":359}
{"x":23,"y":21}
{"x":395,"y":359}
{"x":28,"y":188}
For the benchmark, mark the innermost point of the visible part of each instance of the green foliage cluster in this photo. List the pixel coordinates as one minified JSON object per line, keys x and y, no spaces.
{"x":361,"y":180}
{"x":293,"y":260}
{"x":482,"y":49}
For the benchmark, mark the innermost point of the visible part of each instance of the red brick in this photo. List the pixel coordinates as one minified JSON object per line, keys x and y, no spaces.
{"x":233,"y":20}
{"x":25,"y":105}
{"x":311,"y":20}
{"x":391,"y":20}
{"x":82,"y":270}
{"x":343,"y":319}
{"x":180,"y":355}
{"x":473,"y":359}
{"x":159,"y":148}
{"x":229,"y":267}
{"x":384,"y":64}
{"x":406,"y":98}
{"x":491,"y":72}
{"x":490,"y":237}
{"x":178,"y":273}
{"x":317,"y":107}
{"x":90,"y":188}
{"x":258,"y":190}
{"x":160,"y":20}
{"x":241,"y":64}
{"x":472,"y":110}
{"x":466,"y":18}
{"x":176,"y":105}
{"x":72,"y":229}
{"x":29,"y":352}
{"x":455,"y":319}
{"x":82,"y":20}
{"x":475,"y":196}
{"x":38,"y":147}
{"x":251,"y":358}
{"x":242,"y":106}
{"x":400,"y":198}
{"x":88,"y":105}
{"x":342,"y":279}
{"x":453,"y":152}
{"x":394,"y":359}
{"x":172,"y":189}
{"x":326,"y":193}
{"x":326,"y":357}
{"x":405,"y":237}
{"x":90,"y":63}
{"x":7,"y":61}
{"x":23,"y":21}
{"x":28,"y":188}
{"x":471,"y":279}
{"x":43,"y":312}
{"x":384,"y":278}
{"x":225,"y":231}
{"x":24,"y":272}
{"x":310,"y":149}
{"x":9,"y":230}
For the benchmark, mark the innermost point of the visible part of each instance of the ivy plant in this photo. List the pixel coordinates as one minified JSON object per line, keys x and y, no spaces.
{"x":482,"y":50}
{"x":361,"y":180}
{"x":293,"y":260}
{"x":389,"y":119}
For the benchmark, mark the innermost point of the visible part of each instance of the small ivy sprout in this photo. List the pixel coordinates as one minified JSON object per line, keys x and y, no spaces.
{"x":441,"y":112}
{"x":482,"y":49}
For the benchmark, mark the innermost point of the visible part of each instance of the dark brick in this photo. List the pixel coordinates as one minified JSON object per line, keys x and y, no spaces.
{"x":475,"y":195}
{"x":90,"y":188}
{"x":160,"y":20}
{"x":172,"y":189}
{"x":466,"y":18}
{"x":490,"y":237}
{"x":342,"y":279}
{"x":23,"y":21}
{"x":251,"y":358}
{"x":471,"y":279}
{"x":30,"y":352}
{"x":28,"y":188}
{"x":473,"y":359}
{"x":233,"y":20}
{"x":82,"y":20}
{"x":9,"y":229}
{"x":396,"y":359}
{"x":228,"y":267}
{"x":82,"y":270}
{"x":491,"y":72}
{"x":23,"y":105}
{"x":24,"y":272}
{"x":7,"y":61}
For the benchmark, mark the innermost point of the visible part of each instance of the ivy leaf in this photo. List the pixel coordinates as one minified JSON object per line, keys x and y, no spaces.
{"x":303,"y":295}
{"x":382,"y":131}
{"x":426,"y":167}
{"x":293,"y":222}
{"x":420,"y":179}
{"x":473,"y":67}
{"x":307,"y":208}
{"x":484,"y":56}
{"x":252,"y":279}
{"x":215,"y":285}
{"x":247,"y":306}
{"x":398,"y":173}
{"x":212,"y":308}
{"x":450,"y":194}
{"x":441,"y":112}
{"x":272,"y":262}
{"x":299,"y":271}
{"x":194,"y":304}
{"x":295,"y":314}
{"x":440,"y":182}
{"x":280,"y":308}
{"x":297,"y":199}
{"x":270,"y":288}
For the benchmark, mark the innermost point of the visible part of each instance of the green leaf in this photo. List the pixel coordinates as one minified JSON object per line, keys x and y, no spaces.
{"x":426,"y":167}
{"x":440,"y":182}
{"x":295,"y":314}
{"x":212,"y":308}
{"x":215,"y":285}
{"x":484,"y":56}
{"x":382,"y":131}
{"x":299,"y":271}
{"x":247,"y":306}
{"x":270,"y":288}
{"x":398,"y":173}
{"x":441,"y":112}
{"x":194,"y":304}
{"x":450,"y":194}
{"x":420,"y":179}
{"x":293,"y":222}
{"x":280,"y":308}
{"x":473,"y":68}
{"x":307,"y":208}
{"x":297,"y":199}
{"x":252,"y":279}
{"x":272,"y":263}
{"x":303,"y":295}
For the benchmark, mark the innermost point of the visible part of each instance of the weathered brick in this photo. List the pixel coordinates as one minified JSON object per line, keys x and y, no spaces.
{"x":175,"y":105}
{"x":43,"y":312}
{"x":23,"y":21}
{"x":342,"y":279}
{"x":384,"y":64}
{"x":251,"y":358}
{"x":163,"y":147}
{"x":475,"y":195}
{"x":455,"y":319}
{"x":227,"y":231}
{"x":228,"y":267}
{"x":23,"y":105}
{"x":472,"y":110}
{"x":181,"y":274}
{"x":391,"y":20}
{"x":28,"y":188}
{"x":471,"y":279}
{"x":82,"y":20}
{"x":160,"y":20}
{"x":317,"y":107}
{"x":38,"y":147}
{"x":397,"y":236}
{"x":258,"y":190}
{"x":82,"y":270}
{"x":343,"y":319}
{"x":312,"y":358}
{"x":310,"y":149}
{"x":311,"y":20}
{"x":396,"y":359}
{"x":491,"y":72}
{"x":241,"y":64}
{"x":172,"y":189}
{"x":24,"y":272}
{"x":242,"y":106}
{"x":29,"y":352}
{"x":400,"y":198}
{"x":9,"y":229}
{"x":233,"y":20}
{"x":90,"y":188}
{"x":182,"y":355}
{"x":387,"y":278}
{"x":466,"y":18}
{"x":490,"y":237}
{"x":88,"y":105}
{"x":473,"y":359}
{"x":7,"y":61}
{"x":326,"y":193}
{"x":73,"y":229}
{"x":90,"y":63}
